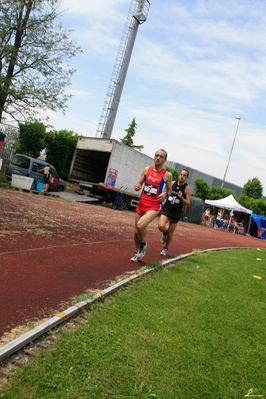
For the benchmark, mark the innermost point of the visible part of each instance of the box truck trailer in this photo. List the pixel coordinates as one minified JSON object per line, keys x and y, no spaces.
{"x":108,"y":170}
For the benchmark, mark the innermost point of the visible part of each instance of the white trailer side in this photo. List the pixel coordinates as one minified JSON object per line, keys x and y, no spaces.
{"x":108,"y":166}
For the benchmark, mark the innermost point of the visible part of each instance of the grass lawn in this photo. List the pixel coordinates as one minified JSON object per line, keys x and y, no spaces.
{"x":194,"y":330}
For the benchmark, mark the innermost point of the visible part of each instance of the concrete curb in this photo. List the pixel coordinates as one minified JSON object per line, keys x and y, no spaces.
{"x":7,"y":350}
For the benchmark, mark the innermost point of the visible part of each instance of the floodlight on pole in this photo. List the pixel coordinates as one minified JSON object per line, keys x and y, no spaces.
{"x":236,"y":117}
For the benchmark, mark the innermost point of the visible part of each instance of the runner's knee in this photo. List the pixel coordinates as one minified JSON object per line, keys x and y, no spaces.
{"x":161,"y":227}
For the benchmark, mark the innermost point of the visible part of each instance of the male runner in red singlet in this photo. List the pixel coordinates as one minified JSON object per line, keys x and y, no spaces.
{"x":155,"y":178}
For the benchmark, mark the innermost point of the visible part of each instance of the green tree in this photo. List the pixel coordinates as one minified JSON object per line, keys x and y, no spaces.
{"x":31,"y":140}
{"x":60,"y":146}
{"x":253,"y":188}
{"x":257,"y":206}
{"x":260,"y":207}
{"x":218,"y":192}
{"x":202,"y":189}
{"x":35,"y":52}
{"x":173,"y":171}
{"x":131,"y":131}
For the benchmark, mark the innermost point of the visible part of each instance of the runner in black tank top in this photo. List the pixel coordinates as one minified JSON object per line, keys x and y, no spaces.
{"x":172,"y":208}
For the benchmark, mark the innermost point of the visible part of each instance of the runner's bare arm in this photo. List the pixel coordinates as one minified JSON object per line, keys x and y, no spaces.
{"x":138,"y":185}
{"x":168,"y":183}
{"x":186,"y":201}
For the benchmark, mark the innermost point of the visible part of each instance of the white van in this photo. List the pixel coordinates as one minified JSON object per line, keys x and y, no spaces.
{"x":27,"y":166}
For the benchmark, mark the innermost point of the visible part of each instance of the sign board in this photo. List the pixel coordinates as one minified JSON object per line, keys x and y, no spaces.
{"x":111,"y":178}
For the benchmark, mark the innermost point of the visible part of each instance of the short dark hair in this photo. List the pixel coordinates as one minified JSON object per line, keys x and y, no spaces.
{"x":185,"y":171}
{"x":161,"y":149}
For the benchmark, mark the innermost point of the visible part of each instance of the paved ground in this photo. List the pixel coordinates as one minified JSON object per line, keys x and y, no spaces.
{"x":73,"y":196}
{"x":53,"y":248}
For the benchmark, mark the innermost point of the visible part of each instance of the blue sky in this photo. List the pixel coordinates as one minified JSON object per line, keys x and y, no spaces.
{"x":196,"y":65}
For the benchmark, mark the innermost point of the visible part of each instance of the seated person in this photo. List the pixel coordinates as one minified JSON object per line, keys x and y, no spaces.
{"x":234,"y":224}
{"x":241,"y":229}
{"x":212,"y":221}
{"x":218,"y":221}
{"x":207,"y":214}
{"x":225,"y":221}
{"x":220,"y":214}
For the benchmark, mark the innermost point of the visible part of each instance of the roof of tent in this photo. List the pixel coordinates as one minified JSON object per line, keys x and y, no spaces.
{"x":228,"y":203}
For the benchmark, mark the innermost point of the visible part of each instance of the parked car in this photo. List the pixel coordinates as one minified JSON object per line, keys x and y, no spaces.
{"x":27,"y":166}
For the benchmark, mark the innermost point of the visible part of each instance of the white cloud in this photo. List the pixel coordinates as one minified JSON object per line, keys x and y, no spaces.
{"x":80,"y":94}
{"x":195,"y":66}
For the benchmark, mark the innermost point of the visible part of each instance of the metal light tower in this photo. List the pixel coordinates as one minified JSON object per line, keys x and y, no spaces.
{"x":236,"y":117}
{"x":137,"y":15}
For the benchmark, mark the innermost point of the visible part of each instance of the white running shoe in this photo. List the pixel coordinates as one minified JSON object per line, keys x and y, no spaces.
{"x":163,"y":237}
{"x":142,"y":251}
{"x":134,"y":258}
{"x":164,"y":252}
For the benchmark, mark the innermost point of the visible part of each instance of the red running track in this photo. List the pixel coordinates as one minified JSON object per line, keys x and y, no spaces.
{"x":52,"y":249}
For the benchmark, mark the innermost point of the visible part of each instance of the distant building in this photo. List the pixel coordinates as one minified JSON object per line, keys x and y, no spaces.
{"x":211,"y":180}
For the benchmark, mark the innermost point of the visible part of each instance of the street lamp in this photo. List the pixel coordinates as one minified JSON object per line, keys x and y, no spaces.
{"x":237,"y":117}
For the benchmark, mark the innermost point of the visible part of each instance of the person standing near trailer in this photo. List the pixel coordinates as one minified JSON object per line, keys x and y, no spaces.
{"x":46,"y":180}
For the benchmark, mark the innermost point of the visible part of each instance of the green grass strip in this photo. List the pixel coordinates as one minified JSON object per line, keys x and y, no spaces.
{"x":194,"y":330}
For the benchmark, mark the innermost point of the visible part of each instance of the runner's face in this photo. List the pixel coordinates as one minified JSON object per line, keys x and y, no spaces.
{"x":182,"y":177}
{"x":159,"y":158}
